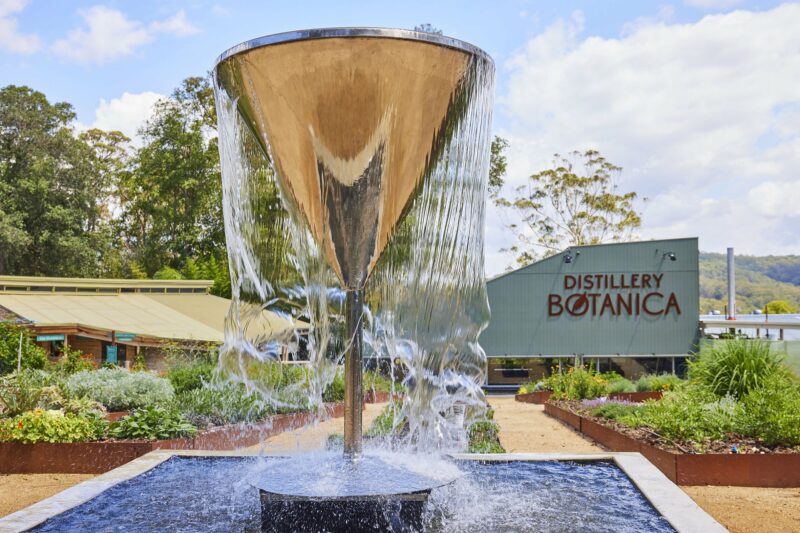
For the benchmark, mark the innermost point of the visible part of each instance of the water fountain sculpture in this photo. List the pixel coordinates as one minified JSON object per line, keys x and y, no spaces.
{"x":369,"y":134}
{"x":356,"y":161}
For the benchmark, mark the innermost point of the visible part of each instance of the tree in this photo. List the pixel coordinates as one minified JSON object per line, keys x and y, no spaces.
{"x":172,"y":200}
{"x":10,"y":336}
{"x":575,"y":203}
{"x":779,"y":307}
{"x":50,"y":222}
{"x":428,"y":28}
{"x":497,"y":166}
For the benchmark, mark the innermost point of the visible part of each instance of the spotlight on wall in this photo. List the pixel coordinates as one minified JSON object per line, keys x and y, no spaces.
{"x":568,"y":256}
{"x":670,"y":255}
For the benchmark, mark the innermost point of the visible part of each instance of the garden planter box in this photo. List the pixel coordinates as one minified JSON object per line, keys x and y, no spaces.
{"x":538,"y":397}
{"x":379,"y":397}
{"x":100,"y":457}
{"x":635,"y":396}
{"x":779,"y":470}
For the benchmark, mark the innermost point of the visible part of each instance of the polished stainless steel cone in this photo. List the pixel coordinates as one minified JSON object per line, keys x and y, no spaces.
{"x":354,"y":121}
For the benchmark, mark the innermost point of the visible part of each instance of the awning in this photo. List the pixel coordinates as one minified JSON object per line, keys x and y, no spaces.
{"x":188,"y":317}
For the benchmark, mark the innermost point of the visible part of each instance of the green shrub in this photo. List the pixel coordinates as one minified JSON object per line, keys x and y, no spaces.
{"x":139,"y":363}
{"x":614,"y":410}
{"x":771,"y":413}
{"x":620,"y":385}
{"x":191,"y":376}
{"x":119,"y":389}
{"x":691,"y":413}
{"x":82,"y":406}
{"x":576,"y":384}
{"x":73,"y":361}
{"x":532,"y":386}
{"x":388,"y":422}
{"x":334,"y":392}
{"x":52,"y":426}
{"x":484,"y":437}
{"x":224,"y":404}
{"x":33,"y":356}
{"x":734,"y":367}
{"x":152,"y":423}
{"x":658,"y":382}
{"x":27,"y":390}
{"x":378,"y":382}
{"x":277,"y":375}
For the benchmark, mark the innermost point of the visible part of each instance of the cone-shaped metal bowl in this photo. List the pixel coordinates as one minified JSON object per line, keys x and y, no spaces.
{"x":354,"y":120}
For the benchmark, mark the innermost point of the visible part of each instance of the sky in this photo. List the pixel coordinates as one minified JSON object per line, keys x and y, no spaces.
{"x":697,"y":100}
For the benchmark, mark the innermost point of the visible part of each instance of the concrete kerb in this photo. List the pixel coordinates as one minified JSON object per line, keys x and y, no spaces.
{"x":668,"y":499}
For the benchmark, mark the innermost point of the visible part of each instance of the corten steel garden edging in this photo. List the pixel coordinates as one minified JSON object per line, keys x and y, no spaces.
{"x":777,"y":470}
{"x":538,"y":397}
{"x":541,"y":397}
{"x":669,"y":500}
{"x":102,"y":456}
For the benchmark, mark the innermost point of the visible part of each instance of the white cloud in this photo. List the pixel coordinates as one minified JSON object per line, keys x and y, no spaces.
{"x":127,"y":113}
{"x":110,"y":34}
{"x":699,"y":115}
{"x":712,"y":4}
{"x":775,"y":199}
{"x":11,"y":39}
{"x":175,"y":25}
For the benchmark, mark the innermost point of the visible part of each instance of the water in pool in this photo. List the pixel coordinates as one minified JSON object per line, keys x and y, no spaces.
{"x":215,"y":494}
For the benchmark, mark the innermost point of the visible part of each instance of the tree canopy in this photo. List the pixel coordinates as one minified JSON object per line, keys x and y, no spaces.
{"x":575,"y":202}
{"x":90,"y":204}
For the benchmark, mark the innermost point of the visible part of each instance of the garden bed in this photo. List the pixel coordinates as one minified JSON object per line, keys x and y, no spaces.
{"x":777,"y":468}
{"x":540,"y":397}
{"x":102,"y":456}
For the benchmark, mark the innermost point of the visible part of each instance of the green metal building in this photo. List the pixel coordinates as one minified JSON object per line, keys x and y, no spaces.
{"x":629,"y":307}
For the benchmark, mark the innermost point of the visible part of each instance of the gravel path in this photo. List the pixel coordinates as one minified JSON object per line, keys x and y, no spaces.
{"x":525,"y":428}
{"x":313,"y":437}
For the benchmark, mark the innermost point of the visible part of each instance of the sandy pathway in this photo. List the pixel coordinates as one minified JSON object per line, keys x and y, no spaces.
{"x":313,"y":437}
{"x":525,"y":428}
{"x":18,"y":491}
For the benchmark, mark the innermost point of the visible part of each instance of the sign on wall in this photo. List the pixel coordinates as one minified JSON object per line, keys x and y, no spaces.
{"x":49,"y":338}
{"x":616,"y":299}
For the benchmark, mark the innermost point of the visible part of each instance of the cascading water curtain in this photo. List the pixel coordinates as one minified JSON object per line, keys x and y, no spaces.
{"x":426,"y":298}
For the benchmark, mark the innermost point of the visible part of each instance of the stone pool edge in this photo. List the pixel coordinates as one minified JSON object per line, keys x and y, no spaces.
{"x":669,"y":500}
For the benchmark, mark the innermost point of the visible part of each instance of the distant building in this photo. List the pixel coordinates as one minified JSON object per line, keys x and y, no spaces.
{"x":628,"y":307}
{"x":114,"y":320}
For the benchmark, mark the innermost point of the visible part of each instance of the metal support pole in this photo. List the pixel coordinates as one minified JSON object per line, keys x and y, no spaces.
{"x":731,"y":286}
{"x":353,"y":393}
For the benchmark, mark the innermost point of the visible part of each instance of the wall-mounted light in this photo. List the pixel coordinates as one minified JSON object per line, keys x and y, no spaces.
{"x":568,"y":256}
{"x":669,"y":255}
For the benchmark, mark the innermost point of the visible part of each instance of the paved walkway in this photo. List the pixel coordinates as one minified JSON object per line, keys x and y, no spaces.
{"x":525,"y":428}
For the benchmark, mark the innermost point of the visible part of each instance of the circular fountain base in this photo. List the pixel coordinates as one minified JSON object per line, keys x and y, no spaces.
{"x":335,"y":493}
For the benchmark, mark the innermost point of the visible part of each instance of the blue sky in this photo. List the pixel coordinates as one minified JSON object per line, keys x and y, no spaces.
{"x":698,"y":100}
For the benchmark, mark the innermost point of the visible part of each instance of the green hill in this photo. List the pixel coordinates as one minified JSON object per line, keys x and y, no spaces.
{"x":758,"y":280}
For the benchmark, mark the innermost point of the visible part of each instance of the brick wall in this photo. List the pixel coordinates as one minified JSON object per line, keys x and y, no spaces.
{"x":88,"y":346}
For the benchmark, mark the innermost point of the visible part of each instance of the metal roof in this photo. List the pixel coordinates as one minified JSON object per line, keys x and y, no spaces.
{"x":184,"y":316}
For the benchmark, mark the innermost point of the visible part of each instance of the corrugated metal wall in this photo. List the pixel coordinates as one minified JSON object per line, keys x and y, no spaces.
{"x":523,"y":322}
